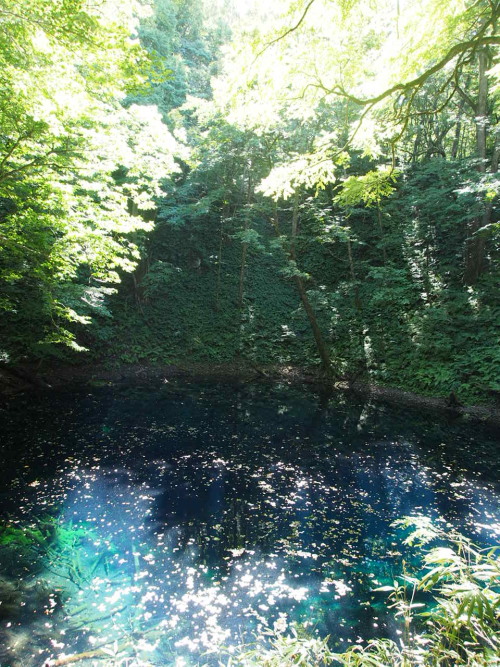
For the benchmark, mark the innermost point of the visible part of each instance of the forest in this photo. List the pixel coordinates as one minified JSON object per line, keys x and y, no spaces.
{"x":298,"y":184}
{"x":303,"y":189}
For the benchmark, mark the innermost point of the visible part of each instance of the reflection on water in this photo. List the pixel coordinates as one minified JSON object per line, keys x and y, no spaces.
{"x":164,"y":525}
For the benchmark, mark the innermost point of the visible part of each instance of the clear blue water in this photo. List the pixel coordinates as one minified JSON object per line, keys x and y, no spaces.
{"x":164,"y":524}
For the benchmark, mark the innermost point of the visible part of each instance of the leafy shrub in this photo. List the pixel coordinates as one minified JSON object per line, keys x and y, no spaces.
{"x":461,"y":628}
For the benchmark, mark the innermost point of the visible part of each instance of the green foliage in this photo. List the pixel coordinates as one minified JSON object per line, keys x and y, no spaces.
{"x":29,"y":548}
{"x":399,"y":295}
{"x":284,"y":650}
{"x":183,"y":39}
{"x":463,"y":626}
{"x":460,"y":627}
{"x":369,"y":189}
{"x":75,"y":167}
{"x":294,"y":181}
{"x":190,"y":311}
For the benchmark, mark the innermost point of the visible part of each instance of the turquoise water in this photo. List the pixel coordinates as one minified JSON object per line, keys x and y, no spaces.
{"x":164,"y":524}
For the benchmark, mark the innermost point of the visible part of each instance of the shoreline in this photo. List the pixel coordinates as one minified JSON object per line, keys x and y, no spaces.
{"x":26,"y":379}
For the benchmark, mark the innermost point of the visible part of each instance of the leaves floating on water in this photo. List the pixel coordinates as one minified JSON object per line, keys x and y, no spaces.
{"x":197,"y":516}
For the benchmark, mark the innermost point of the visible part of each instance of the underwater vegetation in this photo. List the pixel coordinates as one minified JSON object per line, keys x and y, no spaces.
{"x":461,"y":627}
{"x":449,"y":609}
{"x":181,"y":525}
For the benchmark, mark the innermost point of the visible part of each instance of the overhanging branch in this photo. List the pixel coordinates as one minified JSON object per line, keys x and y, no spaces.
{"x":290,"y":30}
{"x":456,"y":50}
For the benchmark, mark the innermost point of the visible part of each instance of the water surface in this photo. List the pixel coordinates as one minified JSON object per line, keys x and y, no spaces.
{"x":167,"y":523}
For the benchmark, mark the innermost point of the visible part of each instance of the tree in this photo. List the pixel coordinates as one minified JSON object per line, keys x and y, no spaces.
{"x":74,"y":165}
{"x":373,"y":60}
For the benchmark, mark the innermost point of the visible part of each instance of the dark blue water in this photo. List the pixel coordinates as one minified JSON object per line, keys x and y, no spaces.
{"x":164,"y":524}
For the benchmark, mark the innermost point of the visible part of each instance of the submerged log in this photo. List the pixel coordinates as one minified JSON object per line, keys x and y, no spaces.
{"x":77,"y":657}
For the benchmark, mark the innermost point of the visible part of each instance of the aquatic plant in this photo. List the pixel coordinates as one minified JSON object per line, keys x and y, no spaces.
{"x":23,"y":547}
{"x":187,"y":536}
{"x":46,"y":542}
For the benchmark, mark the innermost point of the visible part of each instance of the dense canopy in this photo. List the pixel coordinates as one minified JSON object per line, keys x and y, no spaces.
{"x":308,"y":182}
{"x":268,"y":185}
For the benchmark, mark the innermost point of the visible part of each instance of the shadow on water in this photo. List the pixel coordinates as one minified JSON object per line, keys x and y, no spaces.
{"x":154,"y":524}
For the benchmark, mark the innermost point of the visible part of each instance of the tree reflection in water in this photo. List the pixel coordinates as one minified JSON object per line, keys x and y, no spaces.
{"x":159,"y":523}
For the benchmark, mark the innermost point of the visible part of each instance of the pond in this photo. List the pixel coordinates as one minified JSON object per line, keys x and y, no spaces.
{"x":164,"y":524}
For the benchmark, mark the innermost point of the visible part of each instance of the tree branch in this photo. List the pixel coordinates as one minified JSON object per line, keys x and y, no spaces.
{"x":290,"y":30}
{"x":15,"y":145}
{"x":456,"y":50}
{"x":466,"y":97}
{"x":38,"y":161}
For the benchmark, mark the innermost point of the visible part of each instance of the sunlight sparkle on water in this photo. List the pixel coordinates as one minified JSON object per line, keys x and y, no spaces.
{"x":192,"y":539}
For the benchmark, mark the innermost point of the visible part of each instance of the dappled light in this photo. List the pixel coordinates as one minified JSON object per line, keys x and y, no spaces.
{"x":231,"y":510}
{"x":249,"y":333}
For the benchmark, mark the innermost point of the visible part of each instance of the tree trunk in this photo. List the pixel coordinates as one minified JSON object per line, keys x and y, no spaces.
{"x":274,"y":219}
{"x":456,"y":139}
{"x":323,"y":352}
{"x":474,"y":256}
{"x":357,"y":300}
{"x":244,"y":249}
{"x":458,"y":127}
{"x":416,"y":145}
{"x":482,"y":111}
{"x":219,"y":258}
{"x":241,"y":290}
{"x":381,"y":230}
